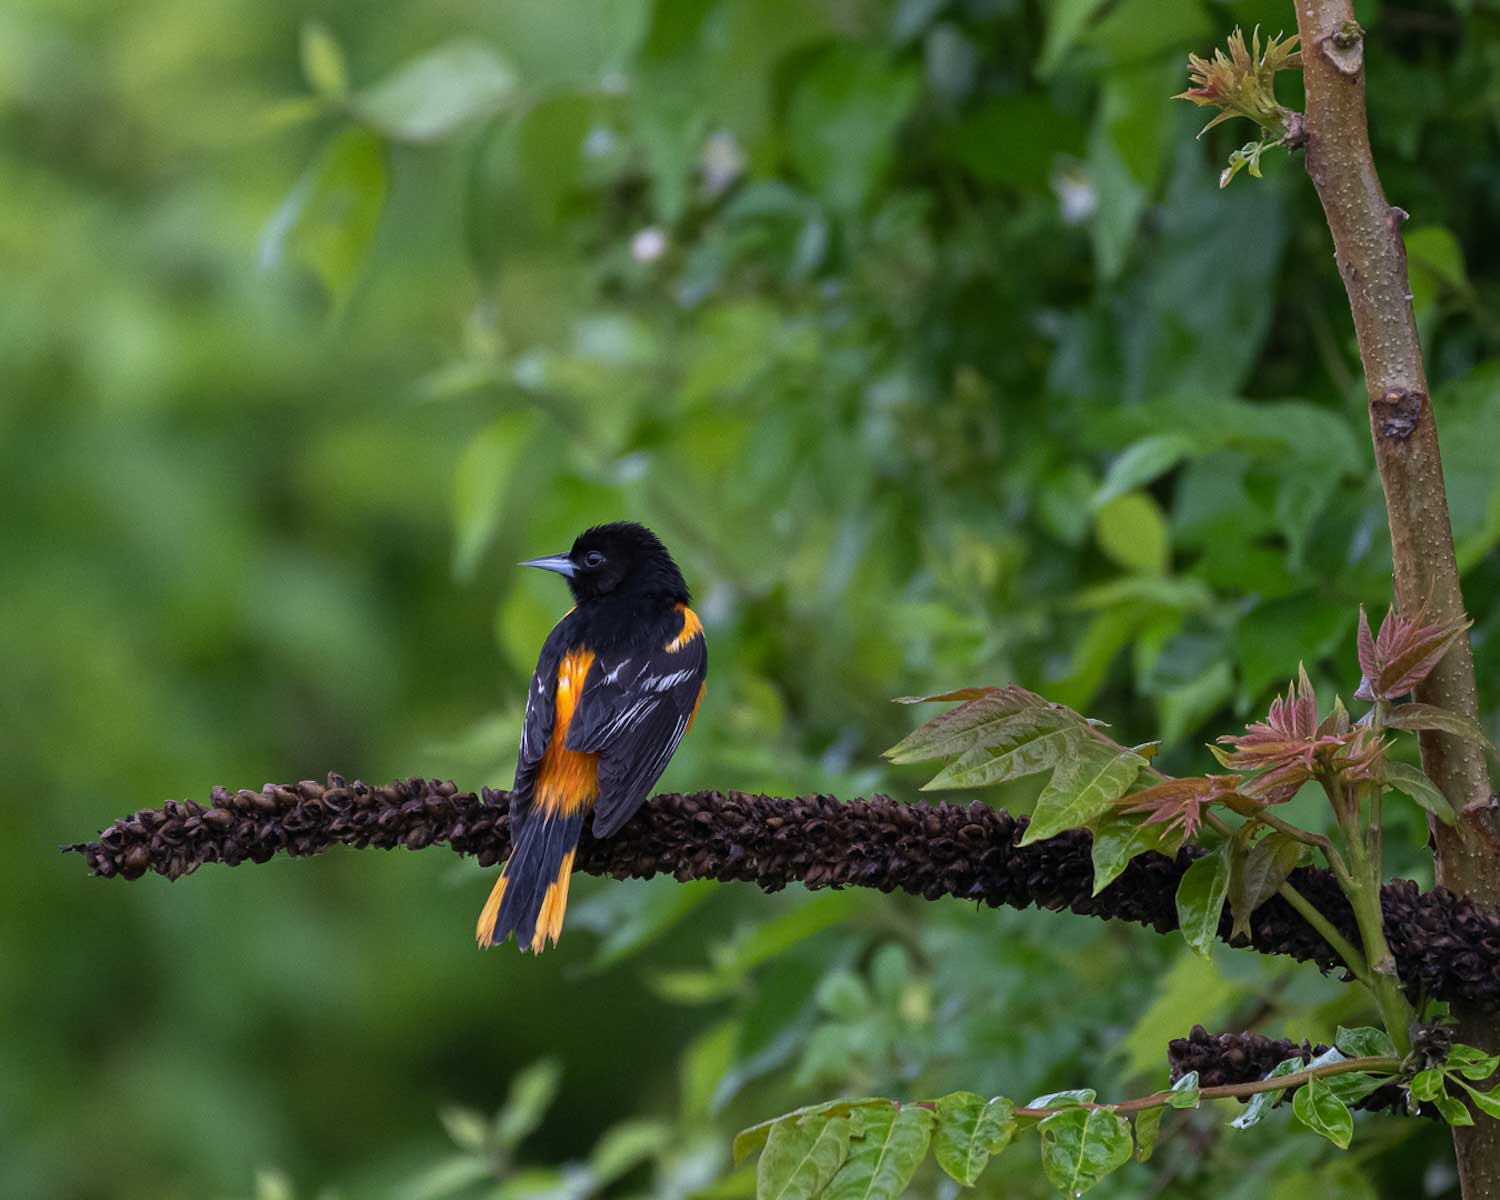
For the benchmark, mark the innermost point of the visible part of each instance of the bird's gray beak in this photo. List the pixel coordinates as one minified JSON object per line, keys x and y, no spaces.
{"x":560,"y":563}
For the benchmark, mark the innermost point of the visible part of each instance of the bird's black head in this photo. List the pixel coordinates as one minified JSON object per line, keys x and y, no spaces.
{"x":623,"y":559}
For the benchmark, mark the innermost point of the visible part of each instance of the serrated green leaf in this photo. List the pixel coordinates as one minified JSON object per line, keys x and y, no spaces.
{"x":1118,"y":838}
{"x":1323,"y":1112}
{"x":1080,"y":1146}
{"x":1429,"y":716}
{"x":1259,"y":875}
{"x":970,"y":1131}
{"x":885,"y":1156}
{"x":971,"y":725}
{"x":433,"y":95}
{"x":1200,"y":900}
{"x":1084,"y":786}
{"x":1413,"y":782}
{"x":1262,"y":1102}
{"x":1365,"y":1042}
{"x":801,"y":1156}
{"x":1029,"y":743}
{"x":752,"y":1138}
{"x":1147,"y":1128}
{"x":967,"y":693}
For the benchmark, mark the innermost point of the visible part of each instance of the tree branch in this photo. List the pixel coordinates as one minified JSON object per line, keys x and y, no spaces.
{"x":1372,"y":260}
{"x":1444,"y":946}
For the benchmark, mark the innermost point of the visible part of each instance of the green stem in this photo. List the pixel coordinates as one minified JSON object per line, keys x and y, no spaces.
{"x":1345,"y":949}
{"x":1236,"y":1091}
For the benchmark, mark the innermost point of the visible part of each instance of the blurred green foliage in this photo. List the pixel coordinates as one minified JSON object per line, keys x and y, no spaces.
{"x":920,"y":331}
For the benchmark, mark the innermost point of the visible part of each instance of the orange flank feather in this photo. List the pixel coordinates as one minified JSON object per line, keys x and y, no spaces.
{"x":691,"y":628}
{"x":567,"y":780}
{"x":697,"y":704}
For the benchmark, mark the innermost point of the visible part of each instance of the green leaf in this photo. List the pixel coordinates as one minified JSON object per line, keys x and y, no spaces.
{"x":1147,"y":1127}
{"x":842,"y":123}
{"x":327,"y":222}
{"x":1132,"y":531}
{"x":1323,"y":1112}
{"x":747,"y":1141}
{"x":323,"y":63}
{"x":470,"y":1130}
{"x":1185,"y":1092}
{"x":625,"y":1147}
{"x":432,"y":96}
{"x":964,"y":728}
{"x":801,"y":1156}
{"x":1085,"y":785}
{"x":1428,"y":1084}
{"x":480,"y":484}
{"x":1263,"y":870}
{"x":774,"y":937}
{"x":968,"y":693}
{"x":1488,"y":1102}
{"x":1141,"y":463}
{"x":1080,"y":1146}
{"x":1066,"y":20}
{"x":1453,"y":1109}
{"x":885,"y":1156}
{"x":1068,"y":1098}
{"x":654,"y":911}
{"x":530,"y":1096}
{"x":1430,"y":716}
{"x":1365,"y":1042}
{"x":1029,"y":743}
{"x":1471,"y":1062}
{"x":1118,"y":838}
{"x":1262,"y":1102}
{"x":1413,"y":782}
{"x":1278,"y":632}
{"x":457,"y":1173}
{"x":1200,"y":900}
{"x":1355,"y":1086}
{"x":970,"y":1131}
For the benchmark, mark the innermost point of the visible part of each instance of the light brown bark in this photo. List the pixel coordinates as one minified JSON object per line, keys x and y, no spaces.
{"x":1372,"y":261}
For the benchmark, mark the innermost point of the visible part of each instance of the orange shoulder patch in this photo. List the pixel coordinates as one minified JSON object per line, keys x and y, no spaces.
{"x":691,"y":628}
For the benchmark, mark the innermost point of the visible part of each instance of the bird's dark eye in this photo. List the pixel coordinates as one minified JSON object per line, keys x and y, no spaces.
{"x":593,"y":559}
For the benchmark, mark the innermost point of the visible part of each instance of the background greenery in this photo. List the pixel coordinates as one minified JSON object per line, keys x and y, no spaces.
{"x":921,"y":333}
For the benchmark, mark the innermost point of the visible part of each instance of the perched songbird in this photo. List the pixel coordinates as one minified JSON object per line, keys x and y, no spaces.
{"x":618,"y":683}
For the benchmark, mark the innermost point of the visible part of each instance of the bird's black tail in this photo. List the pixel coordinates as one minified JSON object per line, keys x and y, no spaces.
{"x":531,"y":895}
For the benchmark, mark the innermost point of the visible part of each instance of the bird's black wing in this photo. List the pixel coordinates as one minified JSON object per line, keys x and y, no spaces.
{"x":633,"y":713}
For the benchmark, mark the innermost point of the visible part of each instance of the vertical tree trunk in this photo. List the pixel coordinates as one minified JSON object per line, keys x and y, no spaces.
{"x":1372,"y":260}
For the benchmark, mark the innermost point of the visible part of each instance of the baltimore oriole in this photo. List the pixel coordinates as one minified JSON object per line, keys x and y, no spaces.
{"x":617,"y":685}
